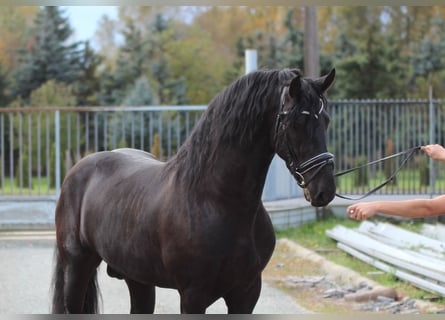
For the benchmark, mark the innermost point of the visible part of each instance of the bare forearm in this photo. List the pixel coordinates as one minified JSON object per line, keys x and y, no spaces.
{"x":418,"y":208}
{"x":408,"y":208}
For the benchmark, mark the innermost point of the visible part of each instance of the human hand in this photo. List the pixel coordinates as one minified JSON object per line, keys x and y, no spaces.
{"x":434,"y":151}
{"x":361,"y":211}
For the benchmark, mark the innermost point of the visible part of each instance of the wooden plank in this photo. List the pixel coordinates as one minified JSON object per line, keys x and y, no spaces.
{"x":395,"y":256}
{"x":402,"y":237}
{"x":415,"y":280}
{"x":435,"y":231}
{"x":368,"y":228}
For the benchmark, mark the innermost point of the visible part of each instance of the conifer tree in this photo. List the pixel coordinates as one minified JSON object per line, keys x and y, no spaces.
{"x":131,"y":65}
{"x":49,"y":55}
{"x":88,"y":85}
{"x":428,"y":60}
{"x":4,"y":83}
{"x":141,"y":94}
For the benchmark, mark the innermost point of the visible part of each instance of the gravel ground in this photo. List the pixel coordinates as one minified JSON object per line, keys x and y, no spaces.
{"x":25,"y":275}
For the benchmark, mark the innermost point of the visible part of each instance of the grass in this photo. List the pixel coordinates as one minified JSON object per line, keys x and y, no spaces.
{"x":312,"y":236}
{"x":10,"y":187}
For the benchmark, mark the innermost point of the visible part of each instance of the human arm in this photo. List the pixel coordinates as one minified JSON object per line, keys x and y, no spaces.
{"x":416,"y":208}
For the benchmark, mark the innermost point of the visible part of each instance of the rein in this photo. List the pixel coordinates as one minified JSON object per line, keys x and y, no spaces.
{"x":410,"y":152}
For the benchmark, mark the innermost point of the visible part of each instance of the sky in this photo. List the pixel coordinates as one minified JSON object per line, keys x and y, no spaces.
{"x":84,"y":19}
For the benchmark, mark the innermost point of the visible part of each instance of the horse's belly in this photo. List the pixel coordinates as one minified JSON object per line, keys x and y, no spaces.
{"x":147,"y":269}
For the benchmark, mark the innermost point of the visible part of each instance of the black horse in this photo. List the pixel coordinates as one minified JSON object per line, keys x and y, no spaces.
{"x":195,"y":223}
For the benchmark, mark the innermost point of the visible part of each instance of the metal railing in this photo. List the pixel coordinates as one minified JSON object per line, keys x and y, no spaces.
{"x":38,"y":145}
{"x":366,"y":130}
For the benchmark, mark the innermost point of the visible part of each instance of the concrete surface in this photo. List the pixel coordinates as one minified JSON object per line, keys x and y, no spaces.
{"x":25,"y":275}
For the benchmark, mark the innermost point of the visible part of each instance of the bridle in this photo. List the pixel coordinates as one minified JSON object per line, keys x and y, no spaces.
{"x":319,"y":161}
{"x":316,"y":163}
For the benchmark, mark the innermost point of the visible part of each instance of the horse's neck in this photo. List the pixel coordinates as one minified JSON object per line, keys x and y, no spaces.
{"x":233,"y":171}
{"x":243,"y":169}
{"x":229,"y":152}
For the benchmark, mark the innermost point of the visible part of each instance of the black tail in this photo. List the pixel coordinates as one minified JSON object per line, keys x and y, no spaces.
{"x":91,"y":304}
{"x":57,"y":285}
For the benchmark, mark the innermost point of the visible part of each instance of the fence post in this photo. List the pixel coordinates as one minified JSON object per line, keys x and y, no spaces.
{"x":432,"y":124}
{"x":57,"y":150}
{"x":250,"y":60}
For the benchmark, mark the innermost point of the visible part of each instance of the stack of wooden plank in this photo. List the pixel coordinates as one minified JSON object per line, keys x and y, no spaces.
{"x":410,"y":256}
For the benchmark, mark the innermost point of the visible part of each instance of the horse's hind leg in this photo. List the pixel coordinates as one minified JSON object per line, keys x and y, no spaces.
{"x":142,"y":297}
{"x":81,"y":285}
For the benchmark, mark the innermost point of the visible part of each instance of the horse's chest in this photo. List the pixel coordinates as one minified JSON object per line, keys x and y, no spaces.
{"x":245,"y":256}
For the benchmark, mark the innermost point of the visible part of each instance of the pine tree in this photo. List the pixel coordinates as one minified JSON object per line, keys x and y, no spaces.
{"x":4,"y":84}
{"x":131,"y":65}
{"x":141,"y":94}
{"x":88,"y":85}
{"x":170,"y":90}
{"x":131,"y":62}
{"x":144,"y":54}
{"x":363,"y":55}
{"x":48,"y":56}
{"x":428,"y":60}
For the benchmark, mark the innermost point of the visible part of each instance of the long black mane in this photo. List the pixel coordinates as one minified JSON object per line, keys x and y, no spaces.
{"x":235,"y":117}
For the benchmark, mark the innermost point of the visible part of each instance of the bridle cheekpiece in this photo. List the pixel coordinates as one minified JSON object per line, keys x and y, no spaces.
{"x":315,"y":163}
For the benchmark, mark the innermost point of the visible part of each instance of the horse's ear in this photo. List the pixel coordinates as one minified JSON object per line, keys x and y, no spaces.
{"x":325,"y":82}
{"x":295,"y":87}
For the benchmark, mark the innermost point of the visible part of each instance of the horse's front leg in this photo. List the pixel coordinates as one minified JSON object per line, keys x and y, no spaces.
{"x":242,"y":300}
{"x":142,"y":297}
{"x":193,"y":301}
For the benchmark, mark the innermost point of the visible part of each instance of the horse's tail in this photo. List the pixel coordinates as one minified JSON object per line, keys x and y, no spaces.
{"x":57,"y":285}
{"x":91,"y":303}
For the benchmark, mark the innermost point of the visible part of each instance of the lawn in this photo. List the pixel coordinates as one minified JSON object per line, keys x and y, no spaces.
{"x":10,"y":187}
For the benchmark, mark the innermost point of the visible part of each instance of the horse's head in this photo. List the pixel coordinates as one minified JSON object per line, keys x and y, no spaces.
{"x":300,"y":133}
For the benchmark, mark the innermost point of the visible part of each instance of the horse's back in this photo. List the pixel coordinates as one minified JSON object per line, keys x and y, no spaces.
{"x":117,"y":162}
{"x":135,"y":153}
{"x":100,"y":179}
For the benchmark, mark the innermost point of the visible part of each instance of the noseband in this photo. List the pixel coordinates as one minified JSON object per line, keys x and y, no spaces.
{"x":316,"y":163}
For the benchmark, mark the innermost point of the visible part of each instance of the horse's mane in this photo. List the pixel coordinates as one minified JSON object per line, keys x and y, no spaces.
{"x":233,"y":117}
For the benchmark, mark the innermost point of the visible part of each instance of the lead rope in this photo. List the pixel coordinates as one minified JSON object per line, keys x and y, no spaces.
{"x":410,"y":153}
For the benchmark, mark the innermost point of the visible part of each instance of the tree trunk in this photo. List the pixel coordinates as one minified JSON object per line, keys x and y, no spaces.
{"x":311,"y":53}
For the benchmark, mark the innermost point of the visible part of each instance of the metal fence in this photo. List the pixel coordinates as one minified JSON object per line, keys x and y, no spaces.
{"x":38,"y":145}
{"x":362,"y":131}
